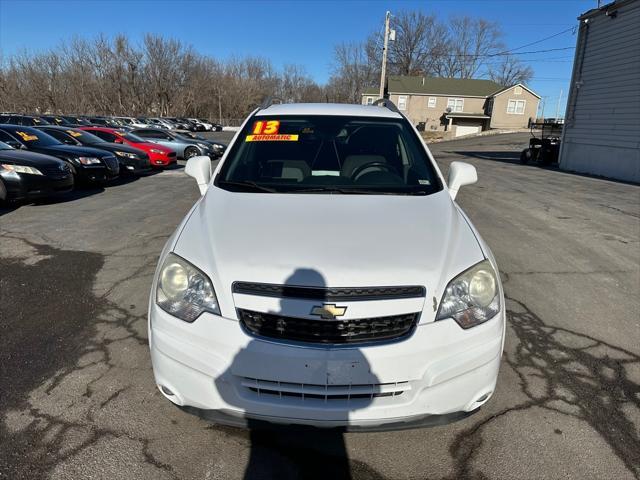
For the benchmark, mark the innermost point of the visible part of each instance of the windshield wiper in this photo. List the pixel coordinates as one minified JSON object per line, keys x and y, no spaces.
{"x":351,"y":191}
{"x":247,"y":185}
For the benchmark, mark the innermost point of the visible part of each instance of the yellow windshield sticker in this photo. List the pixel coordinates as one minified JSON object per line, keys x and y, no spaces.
{"x":267,"y":128}
{"x":74,"y":134}
{"x":26,"y":137}
{"x":271,"y":138}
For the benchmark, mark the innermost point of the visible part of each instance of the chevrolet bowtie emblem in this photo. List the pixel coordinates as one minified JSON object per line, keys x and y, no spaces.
{"x":328,"y":311}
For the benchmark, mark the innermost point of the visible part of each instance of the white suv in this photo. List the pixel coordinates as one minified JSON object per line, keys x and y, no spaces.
{"x":327,"y":277}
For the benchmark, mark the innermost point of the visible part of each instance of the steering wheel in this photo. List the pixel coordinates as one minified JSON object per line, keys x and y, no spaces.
{"x":380,"y":165}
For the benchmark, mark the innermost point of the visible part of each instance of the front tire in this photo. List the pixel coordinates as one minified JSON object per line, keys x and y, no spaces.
{"x":190,"y":152}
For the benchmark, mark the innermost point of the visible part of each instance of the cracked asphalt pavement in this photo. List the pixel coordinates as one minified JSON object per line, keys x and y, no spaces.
{"x":78,"y":400}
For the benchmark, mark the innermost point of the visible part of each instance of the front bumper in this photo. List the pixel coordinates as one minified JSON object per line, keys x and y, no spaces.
{"x":22,"y":186}
{"x":160,"y":161}
{"x":99,"y":173}
{"x":134,"y":166}
{"x":440,"y":372}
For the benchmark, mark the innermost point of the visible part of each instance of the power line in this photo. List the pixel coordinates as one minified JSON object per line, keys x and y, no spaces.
{"x":545,"y":39}
{"x":502,"y":54}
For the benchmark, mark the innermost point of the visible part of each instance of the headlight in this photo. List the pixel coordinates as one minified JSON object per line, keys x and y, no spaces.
{"x":89,"y":160}
{"x":472,"y":297}
{"x":204,"y":145}
{"x":155,"y":150}
{"x":184,"y":291}
{"x":19,"y":169}
{"x":126,"y":154}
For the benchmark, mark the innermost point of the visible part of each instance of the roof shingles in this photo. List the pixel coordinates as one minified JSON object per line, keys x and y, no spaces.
{"x":439,"y":86}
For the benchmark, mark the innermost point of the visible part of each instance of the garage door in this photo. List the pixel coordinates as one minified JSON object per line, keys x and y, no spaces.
{"x":467,"y":129}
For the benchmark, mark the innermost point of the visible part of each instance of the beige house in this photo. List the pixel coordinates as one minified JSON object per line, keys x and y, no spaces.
{"x":459,"y":106}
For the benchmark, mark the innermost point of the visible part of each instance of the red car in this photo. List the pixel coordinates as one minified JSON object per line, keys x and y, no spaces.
{"x":159,"y":156}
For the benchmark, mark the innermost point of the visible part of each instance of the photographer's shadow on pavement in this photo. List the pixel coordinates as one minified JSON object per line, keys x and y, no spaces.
{"x":290,"y":451}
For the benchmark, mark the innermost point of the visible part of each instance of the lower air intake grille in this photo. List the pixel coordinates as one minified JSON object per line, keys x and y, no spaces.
{"x":305,"y":391}
{"x":328,"y":331}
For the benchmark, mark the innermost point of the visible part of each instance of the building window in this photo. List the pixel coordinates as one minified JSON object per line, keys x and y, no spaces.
{"x":516,"y":107}
{"x":517,"y":90}
{"x":369,"y":100}
{"x":455,"y":104}
{"x":402,"y":102}
{"x":432,"y":102}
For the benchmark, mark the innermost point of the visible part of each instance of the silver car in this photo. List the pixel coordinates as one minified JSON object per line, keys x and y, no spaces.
{"x":183,"y":147}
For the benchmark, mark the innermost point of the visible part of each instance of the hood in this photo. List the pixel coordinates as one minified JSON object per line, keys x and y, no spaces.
{"x":73,"y":150}
{"x":30,"y":159}
{"x":119,"y":147}
{"x":146,"y":146}
{"x":344,"y":240}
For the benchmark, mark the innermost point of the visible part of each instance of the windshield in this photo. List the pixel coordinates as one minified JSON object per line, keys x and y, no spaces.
{"x":133,"y":138}
{"x":85,"y":137}
{"x":34,"y":138}
{"x":332,"y":154}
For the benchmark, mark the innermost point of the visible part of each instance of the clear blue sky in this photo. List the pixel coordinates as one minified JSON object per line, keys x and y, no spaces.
{"x":302,"y":32}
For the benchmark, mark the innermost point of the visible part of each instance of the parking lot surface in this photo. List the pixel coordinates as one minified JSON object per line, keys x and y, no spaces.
{"x":78,"y":400}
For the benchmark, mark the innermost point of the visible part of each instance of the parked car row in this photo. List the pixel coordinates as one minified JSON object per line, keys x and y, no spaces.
{"x":46,"y":159}
{"x":164,"y":123}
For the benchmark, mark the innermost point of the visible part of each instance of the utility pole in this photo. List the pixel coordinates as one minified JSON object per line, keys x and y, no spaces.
{"x":384,"y":53}
{"x":558,"y":107}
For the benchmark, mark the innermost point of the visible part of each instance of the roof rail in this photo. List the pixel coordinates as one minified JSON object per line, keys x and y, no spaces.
{"x":270,"y":101}
{"x":385,"y":102}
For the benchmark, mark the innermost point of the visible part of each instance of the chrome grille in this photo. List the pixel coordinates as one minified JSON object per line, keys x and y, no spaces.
{"x":55,"y":171}
{"x":328,"y":331}
{"x":329,"y":294}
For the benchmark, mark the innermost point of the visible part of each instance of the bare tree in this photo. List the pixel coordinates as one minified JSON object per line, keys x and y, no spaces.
{"x":470,"y":43}
{"x":419,"y":43}
{"x":353,"y":71}
{"x":510,"y":71}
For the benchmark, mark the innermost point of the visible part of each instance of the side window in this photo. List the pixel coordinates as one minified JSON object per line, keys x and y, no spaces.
{"x":455,"y":104}
{"x":516,"y":106}
{"x":402,"y":102}
{"x":63,"y":137}
{"x":109,"y":137}
{"x":145,"y":133}
{"x":6,"y":138}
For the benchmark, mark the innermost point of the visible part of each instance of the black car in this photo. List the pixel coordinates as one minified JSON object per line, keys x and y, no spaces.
{"x":27,"y":120}
{"x":76,"y":121}
{"x":87,"y":164}
{"x":131,"y":160}
{"x":57,"y":120}
{"x":28,"y":175}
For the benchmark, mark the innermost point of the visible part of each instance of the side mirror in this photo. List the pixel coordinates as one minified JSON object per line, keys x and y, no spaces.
{"x":200,"y":169}
{"x":460,"y":173}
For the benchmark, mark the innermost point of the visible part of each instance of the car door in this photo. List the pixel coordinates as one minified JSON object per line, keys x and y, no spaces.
{"x":106,"y":136}
{"x":10,"y":140}
{"x":155,"y":136}
{"x":61,"y":136}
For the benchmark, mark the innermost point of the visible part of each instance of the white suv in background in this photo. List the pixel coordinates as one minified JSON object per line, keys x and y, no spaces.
{"x":327,"y":277}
